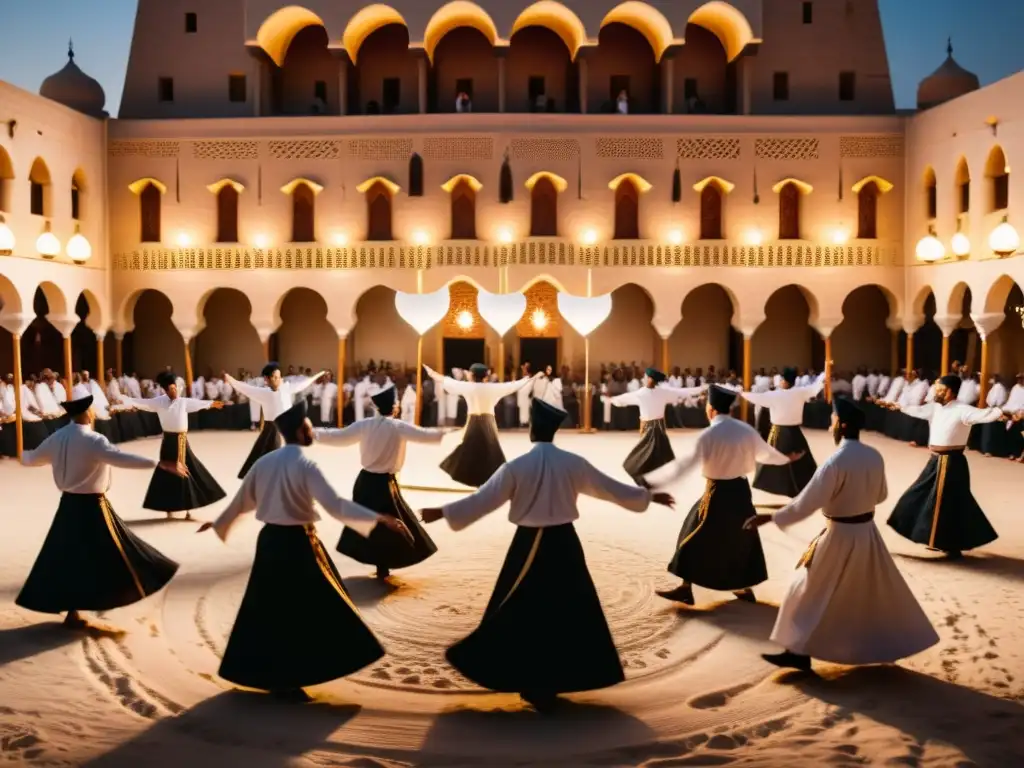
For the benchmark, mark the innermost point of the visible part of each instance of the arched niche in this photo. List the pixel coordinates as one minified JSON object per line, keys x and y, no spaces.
{"x":930,"y":198}
{"x":386,"y":73}
{"x":228,"y":341}
{"x":79,"y":193}
{"x":6,"y":180}
{"x":40,"y":185}
{"x":705,"y":335}
{"x":464,"y":62}
{"x":863,"y":337}
{"x":306,"y":83}
{"x":305,"y":338}
{"x":540,"y":72}
{"x":1006,"y":345}
{"x":786,"y":336}
{"x":701,"y":77}
{"x":624,"y":61}
{"x":962,"y":188}
{"x":381,"y":334}
{"x":154,"y":342}
{"x":628,"y":333}
{"x":997,"y":171}
{"x":42,"y":345}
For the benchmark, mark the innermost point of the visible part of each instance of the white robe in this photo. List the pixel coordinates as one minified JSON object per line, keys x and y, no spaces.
{"x":523,"y":397}
{"x":100,"y":404}
{"x":328,"y":402}
{"x":553,"y":394}
{"x":451,"y":402}
{"x":851,"y":604}
{"x":359,"y":398}
{"x":409,"y":404}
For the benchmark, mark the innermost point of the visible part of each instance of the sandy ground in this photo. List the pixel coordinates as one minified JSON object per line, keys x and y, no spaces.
{"x":697,"y":691}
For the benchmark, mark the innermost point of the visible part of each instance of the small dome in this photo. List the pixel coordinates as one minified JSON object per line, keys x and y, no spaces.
{"x":73,"y":88}
{"x":948,"y":82}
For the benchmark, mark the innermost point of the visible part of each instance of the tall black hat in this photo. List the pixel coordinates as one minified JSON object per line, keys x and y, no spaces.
{"x":545,"y":420}
{"x":289,"y":422}
{"x":720,"y":398}
{"x":849,"y":412}
{"x":385,"y":400}
{"x":479,"y":371}
{"x":789,"y":375}
{"x":165,"y":378}
{"x":76,"y":407}
{"x":655,"y":375}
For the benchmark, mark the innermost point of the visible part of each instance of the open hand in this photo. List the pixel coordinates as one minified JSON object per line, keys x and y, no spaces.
{"x":216,"y":405}
{"x":664,"y":499}
{"x":756,"y":521}
{"x":174,"y":468}
{"x":395,"y":525}
{"x":431,"y":515}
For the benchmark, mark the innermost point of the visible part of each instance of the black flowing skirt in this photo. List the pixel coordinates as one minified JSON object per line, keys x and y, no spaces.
{"x":90,"y":561}
{"x":269,"y":440}
{"x":170,"y":493}
{"x":108,"y":428}
{"x":129,"y":425}
{"x":8,"y":440}
{"x":385,"y":548}
{"x":652,"y":452}
{"x":55,"y":423}
{"x":479,"y":455}
{"x":817,"y":414}
{"x":764,"y":422}
{"x":713,"y":549}
{"x":996,"y":440}
{"x":33,"y":434}
{"x":544,"y":631}
{"x":150,"y":424}
{"x":296,"y":625}
{"x":787,"y":479}
{"x":938,"y":510}
{"x":874,"y":417}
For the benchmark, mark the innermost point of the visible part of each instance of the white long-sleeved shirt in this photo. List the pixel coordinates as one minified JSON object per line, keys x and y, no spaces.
{"x":81,"y":459}
{"x":47,"y":402}
{"x":895,"y":389}
{"x":481,"y":397}
{"x":274,"y":401}
{"x":409,"y":404}
{"x":652,"y":401}
{"x":785,"y":406}
{"x":882,"y":388}
{"x":282,"y":487}
{"x":914,"y":393}
{"x":28,"y":402}
{"x":173,"y":414}
{"x":872,"y":384}
{"x":968,"y":394}
{"x":849,"y":483}
{"x":1015,"y":402}
{"x":543,"y":486}
{"x":996,"y":397}
{"x":727,"y":449}
{"x":328,"y":401}
{"x":860,"y":385}
{"x":950,"y":424}
{"x":381,"y":441}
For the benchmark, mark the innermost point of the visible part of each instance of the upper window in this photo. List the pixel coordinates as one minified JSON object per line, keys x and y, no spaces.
{"x":237,"y":88}
{"x":847,"y":86}
{"x":39,"y":188}
{"x":149,"y":210}
{"x":166,"y":89}
{"x":808,"y":13}
{"x":780,"y":86}
{"x":191,"y":23}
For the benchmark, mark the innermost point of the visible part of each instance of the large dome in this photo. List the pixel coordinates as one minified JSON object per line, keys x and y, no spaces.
{"x":948,"y":82}
{"x":73,"y":88}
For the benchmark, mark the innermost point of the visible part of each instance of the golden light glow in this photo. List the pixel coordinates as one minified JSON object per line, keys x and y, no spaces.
{"x":183,"y":240}
{"x":340,"y":239}
{"x":646,"y":20}
{"x":558,"y":19}
{"x":539,"y":319}
{"x":137,"y":186}
{"x":391,"y":187}
{"x":365,"y":23}
{"x":420,"y":237}
{"x":290,"y":187}
{"x":505,"y":235}
{"x":722,"y":184}
{"x":459,"y":13}
{"x":453,"y":182}
{"x":588,"y":236}
{"x":930,"y":249}
{"x":675,"y":237}
{"x":280,"y":28}
{"x":464,"y":320}
{"x":754,"y":237}
{"x":1004,"y":240}
{"x":559,"y":183}
{"x":261,"y":241}
{"x":217,"y":186}
{"x":961,"y":245}
{"x":883,"y":185}
{"x":641,"y":184}
{"x":726,"y":23}
{"x":840,"y":236}
{"x":803,"y":186}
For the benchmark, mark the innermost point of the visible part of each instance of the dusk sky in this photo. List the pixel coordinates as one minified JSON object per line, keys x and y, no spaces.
{"x":986,"y":38}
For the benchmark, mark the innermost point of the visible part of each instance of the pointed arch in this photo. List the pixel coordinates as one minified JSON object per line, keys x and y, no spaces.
{"x":462,"y":178}
{"x":646,"y":20}
{"x":639,"y":182}
{"x":370,"y":183}
{"x":364,"y":23}
{"x":544,"y":190}
{"x":931,"y":193}
{"x":150,"y":211}
{"x":294,"y":184}
{"x":458,"y":13}
{"x":227,"y":211}
{"x":963,"y":186}
{"x":78,"y":193}
{"x":789,"y":193}
{"x":997,"y":170}
{"x":379,"y":214}
{"x":6,"y":177}
{"x":718,"y":181}
{"x":463,"y":207}
{"x":557,"y":181}
{"x":727,"y":23}
{"x":139,"y":185}
{"x":217,"y":186}
{"x":627,"y":209}
{"x":867,"y":210}
{"x":883,"y":185}
{"x":802,"y":186}
{"x":40,"y":185}
{"x":998,"y":293}
{"x":276,"y":33}
{"x":557,"y":18}
{"x":303,"y":196}
{"x":711,"y":204}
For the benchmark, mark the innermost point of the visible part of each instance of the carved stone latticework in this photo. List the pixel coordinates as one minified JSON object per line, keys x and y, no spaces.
{"x":541,"y":303}
{"x":226,"y":150}
{"x":144,"y":148}
{"x":541,"y":149}
{"x":630,"y":148}
{"x":458,"y":148}
{"x":786,"y":149}
{"x":305,"y":150}
{"x":463,"y":304}
{"x":871,"y":147}
{"x":379,"y":150}
{"x":708,"y":149}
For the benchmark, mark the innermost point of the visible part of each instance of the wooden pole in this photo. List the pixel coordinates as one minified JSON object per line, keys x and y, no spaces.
{"x":945,"y":356}
{"x":266,"y":350}
{"x":828,"y":369}
{"x":119,"y":355}
{"x":745,"y":404}
{"x":188,"y":370}
{"x":101,"y":371}
{"x":419,"y":381}
{"x":587,"y":415}
{"x":19,"y":429}
{"x":664,"y":355}
{"x":910,"y":352}
{"x":894,"y":353}
{"x":340,"y":379}
{"x":501,"y":359}
{"x":983,"y":390}
{"x":68,"y":373}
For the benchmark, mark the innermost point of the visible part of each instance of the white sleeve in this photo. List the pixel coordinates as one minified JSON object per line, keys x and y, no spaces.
{"x":491,"y":495}
{"x":598,"y":485}
{"x":354,"y":516}
{"x":816,"y":495}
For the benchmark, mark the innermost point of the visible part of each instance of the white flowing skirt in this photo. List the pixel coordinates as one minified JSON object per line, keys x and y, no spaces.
{"x":851,"y":604}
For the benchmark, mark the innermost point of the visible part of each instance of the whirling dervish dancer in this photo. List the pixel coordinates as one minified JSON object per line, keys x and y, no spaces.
{"x":276,"y":398}
{"x":654,"y":449}
{"x":382,"y":442}
{"x":544,"y":587}
{"x":90,"y":560}
{"x":296,"y":625}
{"x":479,"y":455}
{"x":714,"y":550}
{"x":847,"y":603}
{"x":786,"y":404}
{"x":167,"y":492}
{"x":939,"y":510}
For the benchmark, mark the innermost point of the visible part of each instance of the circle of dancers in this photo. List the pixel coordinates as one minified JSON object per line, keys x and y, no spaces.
{"x":297,"y":626}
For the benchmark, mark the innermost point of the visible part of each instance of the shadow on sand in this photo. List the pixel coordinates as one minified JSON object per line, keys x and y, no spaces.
{"x":985,"y":728}
{"x":258,"y":730}
{"x":998,"y":566}
{"x":25,"y":642}
{"x":753,"y":621}
{"x":367,"y":590}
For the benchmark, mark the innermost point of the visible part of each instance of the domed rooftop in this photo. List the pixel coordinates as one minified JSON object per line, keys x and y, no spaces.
{"x":948,"y":82}
{"x":73,"y":88}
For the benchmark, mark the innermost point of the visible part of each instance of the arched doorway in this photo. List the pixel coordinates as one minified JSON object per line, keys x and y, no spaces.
{"x":703,"y":81}
{"x":154,"y":343}
{"x":228,"y":341}
{"x":624,"y":62}
{"x":307,"y":81}
{"x":380,"y":334}
{"x":705,"y":336}
{"x":463,"y":331}
{"x":385,"y":78}
{"x":539,"y":331}
{"x":785,"y":338}
{"x":863,"y":337}
{"x":464,"y":62}
{"x":539,"y":71}
{"x":627,"y":336}
{"x":305,"y":338}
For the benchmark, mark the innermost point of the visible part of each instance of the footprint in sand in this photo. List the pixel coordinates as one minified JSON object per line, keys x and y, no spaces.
{"x":716,"y":699}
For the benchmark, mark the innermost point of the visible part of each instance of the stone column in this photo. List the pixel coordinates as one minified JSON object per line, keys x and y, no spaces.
{"x":910,"y":326}
{"x":664,"y":354}
{"x":668,"y":69}
{"x":340,"y":375}
{"x":101,"y":369}
{"x":421,"y":82}
{"x":119,"y":354}
{"x":17,"y":324}
{"x":947,"y":324}
{"x":265,"y":333}
{"x":65,"y":325}
{"x":987,"y":324}
{"x":502,"y":54}
{"x":825,"y":327}
{"x":581,"y":69}
{"x":341,"y":56}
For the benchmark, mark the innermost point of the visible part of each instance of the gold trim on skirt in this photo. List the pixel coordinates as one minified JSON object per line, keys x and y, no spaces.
{"x":808,"y":556}
{"x":939,"y":486}
{"x":702,"y":511}
{"x":773,"y":436}
{"x":526,"y":566}
{"x":182,"y":447}
{"x":108,"y":518}
{"x":323,"y":561}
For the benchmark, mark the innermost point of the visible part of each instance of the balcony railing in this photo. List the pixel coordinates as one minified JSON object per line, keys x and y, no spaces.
{"x":539,"y":252}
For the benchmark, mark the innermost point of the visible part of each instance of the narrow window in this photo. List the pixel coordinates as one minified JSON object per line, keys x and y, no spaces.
{"x":166,"y":89}
{"x":867,"y":212}
{"x":149,"y":208}
{"x":627,"y":211}
{"x":303,"y":214}
{"x":464,"y":85}
{"x":789,"y":212}
{"x":1001,"y":192}
{"x":37,"y":205}
{"x":237,"y":88}
{"x":932,"y":201}
{"x":191,"y":23}
{"x":808,"y":13}
{"x":847,"y":86}
{"x":711,"y":212}
{"x":227,"y":215}
{"x":544,"y":209}
{"x":76,"y":201}
{"x":780,"y":86}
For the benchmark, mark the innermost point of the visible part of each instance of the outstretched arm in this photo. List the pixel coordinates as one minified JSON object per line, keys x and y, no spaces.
{"x":625,"y":399}
{"x":491,"y":495}
{"x":303,"y":384}
{"x":354,"y":516}
{"x":193,"y":405}
{"x":763,"y":399}
{"x":260,"y":395}
{"x":681,"y":393}
{"x":244,"y":501}
{"x":340,"y":438}
{"x":415,"y":434}
{"x":598,"y":485}
{"x":450,"y":385}
{"x":971,"y":416}
{"x":816,"y":495}
{"x":153,"y":404}
{"x":766,"y":454}
{"x":41,"y":456}
{"x":920,"y":411}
